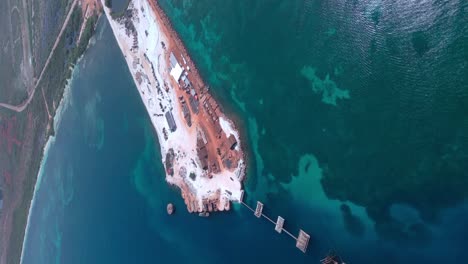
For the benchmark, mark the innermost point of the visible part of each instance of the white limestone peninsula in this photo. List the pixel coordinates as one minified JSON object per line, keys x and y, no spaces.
{"x":203,"y":157}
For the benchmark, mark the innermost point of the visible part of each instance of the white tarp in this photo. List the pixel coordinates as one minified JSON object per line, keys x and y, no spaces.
{"x":176,"y":72}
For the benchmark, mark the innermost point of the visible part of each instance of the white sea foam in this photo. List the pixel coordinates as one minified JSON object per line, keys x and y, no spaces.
{"x":228,"y":129}
{"x":65,"y":102}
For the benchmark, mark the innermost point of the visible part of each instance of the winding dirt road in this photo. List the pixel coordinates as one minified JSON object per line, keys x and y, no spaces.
{"x":20,"y":108}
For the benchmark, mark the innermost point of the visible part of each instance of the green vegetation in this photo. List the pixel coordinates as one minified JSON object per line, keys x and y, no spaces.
{"x":88,"y":32}
{"x":108,"y":3}
{"x":53,"y":84}
{"x":46,"y":24}
{"x":20,"y":215}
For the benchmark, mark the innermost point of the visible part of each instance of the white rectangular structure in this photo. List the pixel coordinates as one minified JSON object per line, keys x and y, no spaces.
{"x":279,"y":224}
{"x":302,"y":241}
{"x":258,"y":210}
{"x":241,"y":199}
{"x":176,"y":72}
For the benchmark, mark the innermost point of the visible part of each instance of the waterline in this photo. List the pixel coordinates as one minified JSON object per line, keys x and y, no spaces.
{"x":63,"y":106}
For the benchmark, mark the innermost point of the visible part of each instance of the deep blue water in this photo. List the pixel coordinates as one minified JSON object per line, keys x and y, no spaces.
{"x":102,"y":194}
{"x":363,"y":136}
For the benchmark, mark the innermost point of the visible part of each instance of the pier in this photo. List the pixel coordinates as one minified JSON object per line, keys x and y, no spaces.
{"x":302,"y":240}
{"x":259,"y":210}
{"x":279,"y":224}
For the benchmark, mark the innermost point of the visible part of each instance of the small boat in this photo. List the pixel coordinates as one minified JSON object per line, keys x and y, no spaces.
{"x":170,"y":209}
{"x":332,"y":258}
{"x":204,"y":214}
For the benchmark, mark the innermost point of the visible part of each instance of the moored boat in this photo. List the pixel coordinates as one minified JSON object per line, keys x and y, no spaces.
{"x":170,"y":208}
{"x":204,"y":214}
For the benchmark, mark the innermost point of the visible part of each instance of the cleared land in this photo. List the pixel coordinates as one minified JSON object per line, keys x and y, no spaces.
{"x":200,"y":146}
{"x":12,"y":83}
{"x":20,"y":107}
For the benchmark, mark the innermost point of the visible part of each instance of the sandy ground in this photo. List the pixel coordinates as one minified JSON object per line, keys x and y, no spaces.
{"x":144,"y":52}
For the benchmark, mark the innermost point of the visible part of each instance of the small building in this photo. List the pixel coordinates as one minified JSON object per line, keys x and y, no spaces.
{"x":186,"y":81}
{"x":171,"y":121}
{"x":176,"y":69}
{"x":173,"y":61}
{"x":176,"y":72}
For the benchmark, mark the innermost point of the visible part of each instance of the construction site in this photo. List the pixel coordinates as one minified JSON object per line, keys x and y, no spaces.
{"x":200,"y":146}
{"x":215,"y":149}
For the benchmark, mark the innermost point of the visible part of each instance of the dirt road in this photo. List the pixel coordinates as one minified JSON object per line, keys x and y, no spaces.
{"x":20,"y":108}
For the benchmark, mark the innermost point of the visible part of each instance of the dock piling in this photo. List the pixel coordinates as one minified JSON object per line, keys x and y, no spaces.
{"x":258,"y":210}
{"x":279,"y":224}
{"x":241,"y":199}
{"x":302,"y":241}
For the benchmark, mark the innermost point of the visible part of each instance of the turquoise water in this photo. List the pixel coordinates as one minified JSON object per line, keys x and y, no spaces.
{"x":355,"y":118}
{"x":375,"y":91}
